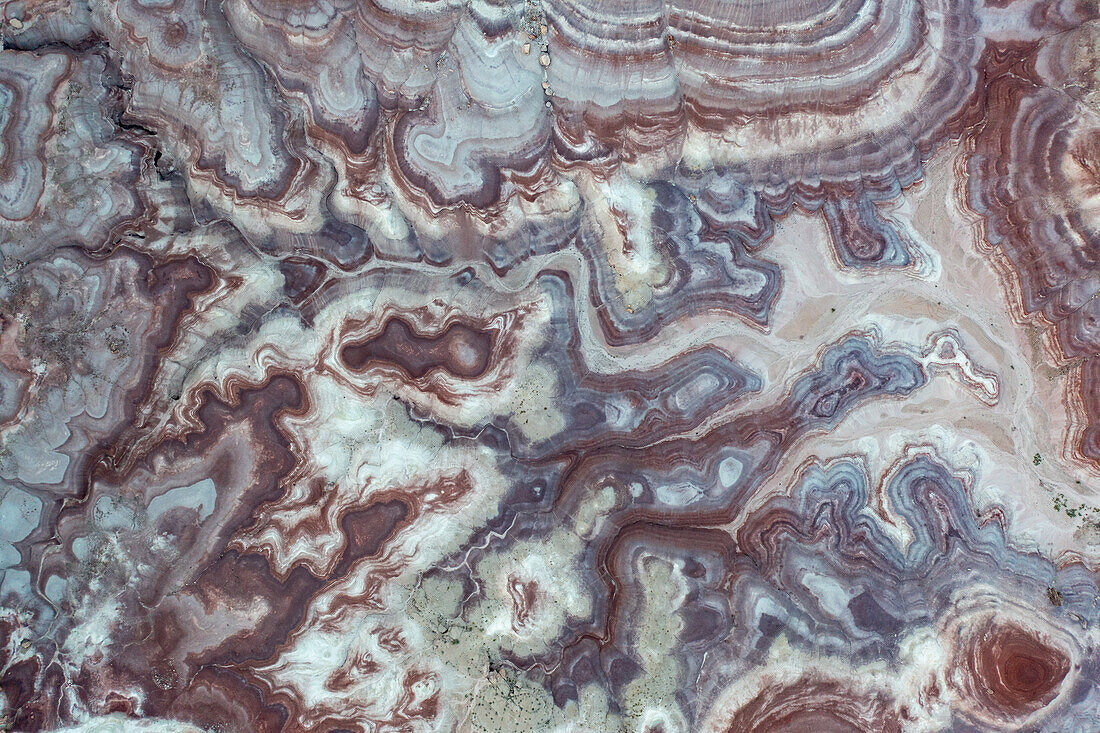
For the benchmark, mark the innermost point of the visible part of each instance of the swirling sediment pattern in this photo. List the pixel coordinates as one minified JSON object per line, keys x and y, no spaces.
{"x":595,"y":366}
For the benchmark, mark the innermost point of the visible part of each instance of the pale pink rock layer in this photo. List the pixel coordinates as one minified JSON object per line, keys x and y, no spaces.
{"x":557,"y":365}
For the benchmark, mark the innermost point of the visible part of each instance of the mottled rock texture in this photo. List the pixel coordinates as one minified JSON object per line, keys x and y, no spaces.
{"x":394,"y":366}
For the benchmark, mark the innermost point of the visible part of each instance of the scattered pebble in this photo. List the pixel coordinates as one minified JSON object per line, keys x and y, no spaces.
{"x":544,"y":59}
{"x":526,"y":49}
{"x":15,"y":23}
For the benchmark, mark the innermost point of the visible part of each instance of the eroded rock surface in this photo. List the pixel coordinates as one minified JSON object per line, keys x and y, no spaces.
{"x":556,"y":365}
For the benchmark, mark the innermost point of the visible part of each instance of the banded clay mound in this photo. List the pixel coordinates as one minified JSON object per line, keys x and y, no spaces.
{"x":394,"y":366}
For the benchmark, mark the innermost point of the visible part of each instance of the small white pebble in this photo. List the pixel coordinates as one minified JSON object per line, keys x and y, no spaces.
{"x":544,"y":59}
{"x":526,"y":49}
{"x":15,"y":23}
